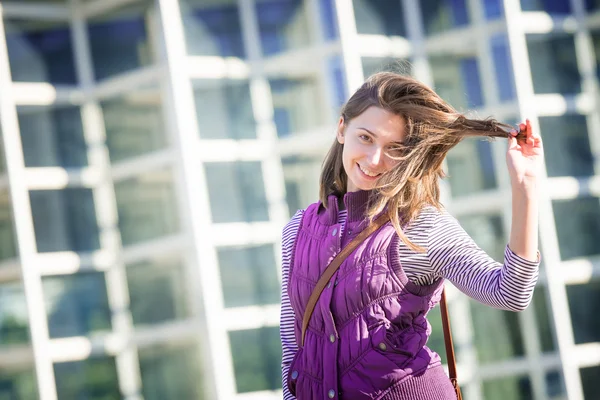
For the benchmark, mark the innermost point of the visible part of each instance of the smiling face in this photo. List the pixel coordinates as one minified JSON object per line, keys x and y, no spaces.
{"x":366,"y":139}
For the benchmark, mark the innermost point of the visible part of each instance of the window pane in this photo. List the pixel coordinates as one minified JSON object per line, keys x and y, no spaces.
{"x":119,"y":41}
{"x":301,"y":175}
{"x":282,"y":24}
{"x":14,"y":323}
{"x":379,"y":17}
{"x":517,"y":388}
{"x":249,"y":276}
{"x":328,"y":19}
{"x":493,"y":9}
{"x":157,"y":291}
{"x":497,"y":336}
{"x":224,"y":109}
{"x":134,"y":123}
{"x":555,"y":388}
{"x":18,"y":385}
{"x":577,"y":226}
{"x":91,"y":379}
{"x":256,"y":359}
{"x":457,"y":81}
{"x":553,"y":64}
{"x":337,"y":74}
{"x":170,"y":372}
{"x":297,"y":105}
{"x":542,"y":316}
{"x":76,"y":304}
{"x":549,"y":6}
{"x":8,"y":240}
{"x":40,"y":51}
{"x":442,"y":15}
{"x":236,"y":192}
{"x":589,"y":381}
{"x":592,"y":5}
{"x":471,"y":167}
{"x":436,"y":340}
{"x":212,"y":28}
{"x":146,"y":206}
{"x":503,"y":67}
{"x":583,"y":303}
{"x":52,"y":137}
{"x":64,"y":220}
{"x":487,"y":232}
{"x":567,"y":146}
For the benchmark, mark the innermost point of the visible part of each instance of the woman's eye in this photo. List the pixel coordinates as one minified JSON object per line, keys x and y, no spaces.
{"x":365,"y":138}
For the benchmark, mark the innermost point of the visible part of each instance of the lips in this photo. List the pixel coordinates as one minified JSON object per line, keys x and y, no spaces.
{"x":366,"y":175}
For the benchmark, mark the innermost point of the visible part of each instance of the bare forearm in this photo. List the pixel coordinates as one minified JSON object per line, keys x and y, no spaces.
{"x":524,"y":226}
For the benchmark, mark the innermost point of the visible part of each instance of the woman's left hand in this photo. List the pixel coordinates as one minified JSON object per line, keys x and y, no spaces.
{"x":524,"y":157}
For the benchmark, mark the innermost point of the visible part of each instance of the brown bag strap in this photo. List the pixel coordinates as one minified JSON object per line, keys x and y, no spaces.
{"x":333,"y":267}
{"x":448,"y":340}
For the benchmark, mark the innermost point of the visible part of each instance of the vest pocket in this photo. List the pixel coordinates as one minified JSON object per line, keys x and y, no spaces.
{"x":294,"y":372}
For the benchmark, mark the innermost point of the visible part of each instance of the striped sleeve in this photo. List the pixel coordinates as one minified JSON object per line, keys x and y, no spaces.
{"x":286,"y":317}
{"x":455,"y":256}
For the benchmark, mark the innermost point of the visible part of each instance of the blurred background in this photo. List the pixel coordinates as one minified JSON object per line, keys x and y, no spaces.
{"x":154,"y":150}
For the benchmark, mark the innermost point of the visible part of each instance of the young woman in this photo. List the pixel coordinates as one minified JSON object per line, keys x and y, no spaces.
{"x":367,"y":336}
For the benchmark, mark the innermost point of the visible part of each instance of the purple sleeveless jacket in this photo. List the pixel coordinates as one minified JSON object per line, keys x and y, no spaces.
{"x":366,"y":338}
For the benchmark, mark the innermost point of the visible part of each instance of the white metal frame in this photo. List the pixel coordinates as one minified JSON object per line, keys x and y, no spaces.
{"x":187,"y":153}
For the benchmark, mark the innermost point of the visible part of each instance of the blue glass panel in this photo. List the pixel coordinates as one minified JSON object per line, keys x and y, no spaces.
{"x":14,"y":321}
{"x":76,"y":304}
{"x":589,"y":381}
{"x":583,"y":304}
{"x":256,"y":359}
{"x":282,"y":25}
{"x":91,"y":379}
{"x":549,"y":6}
{"x":18,"y":384}
{"x":567,"y":146}
{"x":213,"y":30}
{"x":553,"y":64}
{"x":578,"y":230}
{"x":52,"y":137}
{"x":493,"y":9}
{"x":442,"y":15}
{"x":298,"y":107}
{"x":514,"y":388}
{"x":248,"y":276}
{"x":503,"y":68}
{"x":8,"y":240}
{"x":328,"y":19}
{"x":119,"y":42}
{"x":171,"y":371}
{"x":40,"y":52}
{"x":471,"y":81}
{"x":592,"y":5}
{"x":459,"y":12}
{"x":236,"y":192}
{"x":64,"y":220}
{"x":224,"y":109}
{"x":338,"y":76}
{"x":379,"y":17}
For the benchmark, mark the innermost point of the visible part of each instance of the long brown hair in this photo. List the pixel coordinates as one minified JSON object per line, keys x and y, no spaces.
{"x":433,"y":127}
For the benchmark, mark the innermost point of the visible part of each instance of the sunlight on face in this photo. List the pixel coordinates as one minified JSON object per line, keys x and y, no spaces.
{"x":365,"y":139}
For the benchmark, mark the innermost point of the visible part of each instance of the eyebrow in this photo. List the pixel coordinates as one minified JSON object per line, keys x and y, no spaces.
{"x":365,"y":129}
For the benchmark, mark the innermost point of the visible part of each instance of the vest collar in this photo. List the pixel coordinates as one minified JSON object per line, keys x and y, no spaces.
{"x":355,"y":203}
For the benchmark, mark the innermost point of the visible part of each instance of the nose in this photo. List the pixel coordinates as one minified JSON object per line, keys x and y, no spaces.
{"x":376,"y":156}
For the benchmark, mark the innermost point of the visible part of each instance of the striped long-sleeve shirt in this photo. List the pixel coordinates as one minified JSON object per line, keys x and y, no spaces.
{"x":451,"y":254}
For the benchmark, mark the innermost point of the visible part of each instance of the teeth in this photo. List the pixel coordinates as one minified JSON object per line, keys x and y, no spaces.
{"x":369,"y":173}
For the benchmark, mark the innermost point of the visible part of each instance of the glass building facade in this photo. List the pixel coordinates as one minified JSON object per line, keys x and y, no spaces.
{"x":152,"y":151}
